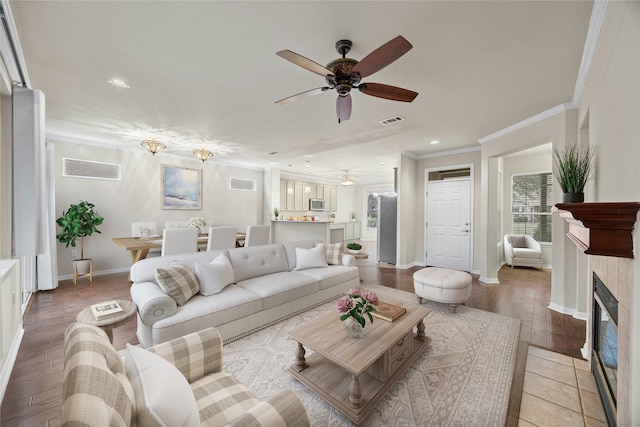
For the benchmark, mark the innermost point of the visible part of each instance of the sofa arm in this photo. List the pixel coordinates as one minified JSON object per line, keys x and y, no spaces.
{"x":153,"y":304}
{"x":196,"y":355}
{"x":283,"y":408}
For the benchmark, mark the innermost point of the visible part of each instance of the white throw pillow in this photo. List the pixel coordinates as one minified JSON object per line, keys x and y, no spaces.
{"x":163,"y":395}
{"x":215,"y":276}
{"x":310,"y":258}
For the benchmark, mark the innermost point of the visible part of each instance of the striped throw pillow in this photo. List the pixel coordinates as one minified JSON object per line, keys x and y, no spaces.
{"x":332,"y":253}
{"x":178,"y":281}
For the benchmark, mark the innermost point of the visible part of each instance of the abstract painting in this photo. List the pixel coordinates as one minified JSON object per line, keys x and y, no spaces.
{"x":181,"y":188}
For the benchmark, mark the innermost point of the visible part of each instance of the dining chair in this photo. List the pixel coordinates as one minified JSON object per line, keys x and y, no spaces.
{"x":222,"y":238}
{"x":143,"y":229}
{"x":179,"y":240}
{"x":175,"y":224}
{"x":257,"y":235}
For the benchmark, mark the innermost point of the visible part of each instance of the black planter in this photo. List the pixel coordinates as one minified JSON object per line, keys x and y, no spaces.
{"x":572,"y":197}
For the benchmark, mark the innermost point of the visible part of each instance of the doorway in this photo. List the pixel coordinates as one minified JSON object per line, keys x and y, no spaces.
{"x":448,"y":219}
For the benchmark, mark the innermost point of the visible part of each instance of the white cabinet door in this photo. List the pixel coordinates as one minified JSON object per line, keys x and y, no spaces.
{"x":333,"y":198}
{"x":320,"y":192}
{"x":298,"y":192}
{"x":283,"y":195}
{"x":290,"y":204}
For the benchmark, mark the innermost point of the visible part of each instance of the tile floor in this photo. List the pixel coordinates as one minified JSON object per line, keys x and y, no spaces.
{"x":559,"y":391}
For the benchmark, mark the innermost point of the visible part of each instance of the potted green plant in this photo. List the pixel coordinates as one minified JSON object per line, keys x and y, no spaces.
{"x":78,"y":222}
{"x":574,"y":166}
{"x":354,"y":248}
{"x":276,"y":212}
{"x":353,"y":216}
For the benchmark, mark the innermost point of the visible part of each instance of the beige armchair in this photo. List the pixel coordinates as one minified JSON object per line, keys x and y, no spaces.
{"x":179,"y":382}
{"x":522,"y":250}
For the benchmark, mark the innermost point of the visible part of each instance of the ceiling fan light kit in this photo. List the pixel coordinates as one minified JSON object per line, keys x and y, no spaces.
{"x":344,"y":74}
{"x":153,"y":145}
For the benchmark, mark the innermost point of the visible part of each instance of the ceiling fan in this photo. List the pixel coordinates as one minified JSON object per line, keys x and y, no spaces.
{"x":348,"y":179}
{"x":344,"y":74}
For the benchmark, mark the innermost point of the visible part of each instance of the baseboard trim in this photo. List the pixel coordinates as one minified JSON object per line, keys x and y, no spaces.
{"x":489,"y":280}
{"x":408,"y":266}
{"x":97,"y":273}
{"x":569,"y":311}
{"x":7,"y":368}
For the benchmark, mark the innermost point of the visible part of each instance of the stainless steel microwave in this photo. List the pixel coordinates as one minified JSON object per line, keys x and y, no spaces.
{"x":316,"y":204}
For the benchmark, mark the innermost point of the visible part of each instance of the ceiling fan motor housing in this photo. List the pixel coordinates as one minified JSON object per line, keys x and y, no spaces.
{"x":343,"y":79}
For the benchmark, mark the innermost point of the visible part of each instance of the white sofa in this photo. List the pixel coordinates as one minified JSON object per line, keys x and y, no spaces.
{"x":522,"y":250}
{"x":267,"y":286}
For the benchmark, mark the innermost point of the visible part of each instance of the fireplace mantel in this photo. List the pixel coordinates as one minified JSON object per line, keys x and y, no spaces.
{"x":601,"y":228}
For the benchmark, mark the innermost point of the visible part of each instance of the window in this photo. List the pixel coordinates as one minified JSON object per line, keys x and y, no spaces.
{"x":372,"y":210}
{"x":531,"y":203}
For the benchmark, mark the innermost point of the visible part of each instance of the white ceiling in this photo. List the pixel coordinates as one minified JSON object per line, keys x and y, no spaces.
{"x":205,"y":73}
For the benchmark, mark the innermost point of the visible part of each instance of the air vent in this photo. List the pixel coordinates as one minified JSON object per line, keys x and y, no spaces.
{"x":242,"y":184}
{"x":391,"y":120}
{"x":88,"y":169}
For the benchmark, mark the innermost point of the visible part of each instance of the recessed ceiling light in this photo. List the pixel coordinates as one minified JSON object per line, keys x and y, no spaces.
{"x":382,"y":163}
{"x":118,"y":83}
{"x":434,"y":142}
{"x":274,"y":163}
{"x":308,"y":156}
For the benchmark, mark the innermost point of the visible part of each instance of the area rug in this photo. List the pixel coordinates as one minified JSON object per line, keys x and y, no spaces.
{"x":462,"y":379}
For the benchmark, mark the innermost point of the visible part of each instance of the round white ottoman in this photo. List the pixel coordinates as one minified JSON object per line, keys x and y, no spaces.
{"x":442,"y":285}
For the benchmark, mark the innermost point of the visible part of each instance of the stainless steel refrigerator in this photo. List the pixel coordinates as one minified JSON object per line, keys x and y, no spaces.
{"x":387,"y":217}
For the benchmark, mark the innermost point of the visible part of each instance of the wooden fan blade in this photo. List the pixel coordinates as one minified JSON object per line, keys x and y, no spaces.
{"x":343,"y":107}
{"x":382,"y":56}
{"x":305,"y":63}
{"x":388,"y":92}
{"x":301,"y":95}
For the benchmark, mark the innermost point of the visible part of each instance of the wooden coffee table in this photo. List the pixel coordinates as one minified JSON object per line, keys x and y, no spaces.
{"x":107,"y":324}
{"x":354,"y":374}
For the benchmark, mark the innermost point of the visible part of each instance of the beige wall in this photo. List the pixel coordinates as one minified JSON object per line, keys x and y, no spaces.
{"x":408,"y":202}
{"x":610,"y":113}
{"x":6,"y":151}
{"x":137,"y":197}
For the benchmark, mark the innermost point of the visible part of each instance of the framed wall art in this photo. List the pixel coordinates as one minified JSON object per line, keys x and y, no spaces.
{"x":181,"y":188}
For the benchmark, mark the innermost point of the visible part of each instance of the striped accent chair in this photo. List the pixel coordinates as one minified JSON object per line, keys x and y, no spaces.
{"x":97,"y":391}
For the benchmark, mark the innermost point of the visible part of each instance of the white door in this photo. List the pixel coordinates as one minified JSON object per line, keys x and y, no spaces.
{"x":449,"y":224}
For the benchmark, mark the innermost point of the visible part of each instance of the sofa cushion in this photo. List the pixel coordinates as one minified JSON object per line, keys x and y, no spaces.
{"x":95,"y":383}
{"x":518,"y":241}
{"x":331,"y":276}
{"x":310,"y":258}
{"x":232,"y":303}
{"x":255,"y":261}
{"x":152,"y":377}
{"x":221,"y":398}
{"x":526,"y":253}
{"x":280,"y":288}
{"x":332,"y":253}
{"x":215,"y":276}
{"x":178,"y":281}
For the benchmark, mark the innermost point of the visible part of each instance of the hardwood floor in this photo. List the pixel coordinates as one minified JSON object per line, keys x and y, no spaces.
{"x":34,"y":393}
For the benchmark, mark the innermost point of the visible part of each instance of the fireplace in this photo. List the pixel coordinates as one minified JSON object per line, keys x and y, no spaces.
{"x":605,"y":347}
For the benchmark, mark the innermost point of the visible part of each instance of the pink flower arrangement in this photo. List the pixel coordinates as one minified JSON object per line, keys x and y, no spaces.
{"x":357,"y":304}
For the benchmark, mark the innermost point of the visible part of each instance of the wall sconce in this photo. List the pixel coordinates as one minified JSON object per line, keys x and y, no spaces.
{"x":203,"y":154}
{"x":153,"y":145}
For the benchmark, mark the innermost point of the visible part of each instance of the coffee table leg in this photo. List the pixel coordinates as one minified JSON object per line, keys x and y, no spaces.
{"x":420,"y":335}
{"x":356,"y":393}
{"x":301,"y":363}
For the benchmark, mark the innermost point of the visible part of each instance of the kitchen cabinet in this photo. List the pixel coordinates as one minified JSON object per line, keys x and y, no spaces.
{"x":295,"y":195}
{"x":352,"y":230}
{"x":298,"y":192}
{"x":289,"y":196}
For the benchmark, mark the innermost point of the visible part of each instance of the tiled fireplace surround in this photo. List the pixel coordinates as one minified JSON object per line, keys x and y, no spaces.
{"x":604,"y":231}
{"x":616,"y":274}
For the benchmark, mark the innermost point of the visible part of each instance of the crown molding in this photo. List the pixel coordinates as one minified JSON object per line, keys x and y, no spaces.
{"x":531,"y":120}
{"x":441,"y":153}
{"x":593,"y":33}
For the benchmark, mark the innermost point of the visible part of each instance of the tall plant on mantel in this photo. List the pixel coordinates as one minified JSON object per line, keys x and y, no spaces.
{"x":574,"y":167}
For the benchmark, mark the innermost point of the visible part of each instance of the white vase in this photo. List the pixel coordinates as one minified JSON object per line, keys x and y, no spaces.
{"x":354,"y":251}
{"x":353,"y":328}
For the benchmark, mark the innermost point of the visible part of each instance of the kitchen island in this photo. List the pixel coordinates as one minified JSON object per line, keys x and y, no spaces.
{"x":292,"y":231}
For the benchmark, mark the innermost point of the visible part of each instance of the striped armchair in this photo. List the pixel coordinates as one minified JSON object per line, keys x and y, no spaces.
{"x":98,"y":392}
